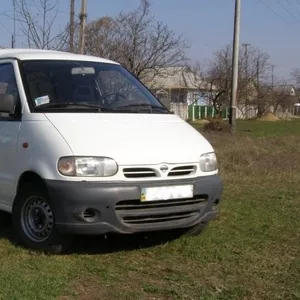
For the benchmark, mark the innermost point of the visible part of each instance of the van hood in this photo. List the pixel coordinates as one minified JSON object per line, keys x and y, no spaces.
{"x":131,"y":139}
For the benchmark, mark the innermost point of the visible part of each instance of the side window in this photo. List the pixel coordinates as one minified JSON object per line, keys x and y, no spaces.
{"x":8,"y":85}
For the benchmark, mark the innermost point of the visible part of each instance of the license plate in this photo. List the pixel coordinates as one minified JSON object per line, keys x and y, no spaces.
{"x":166,"y":193}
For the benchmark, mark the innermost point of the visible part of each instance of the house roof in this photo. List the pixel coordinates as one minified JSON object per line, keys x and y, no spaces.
{"x":176,"y":78}
{"x":287,"y":89}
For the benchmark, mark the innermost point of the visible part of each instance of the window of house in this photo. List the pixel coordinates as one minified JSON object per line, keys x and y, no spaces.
{"x":195,"y":98}
{"x":8,"y":85}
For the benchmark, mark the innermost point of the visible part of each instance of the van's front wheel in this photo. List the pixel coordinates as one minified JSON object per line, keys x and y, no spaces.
{"x":34,"y":221}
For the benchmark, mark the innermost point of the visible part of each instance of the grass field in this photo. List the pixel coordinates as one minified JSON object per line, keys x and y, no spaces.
{"x":251,"y":252}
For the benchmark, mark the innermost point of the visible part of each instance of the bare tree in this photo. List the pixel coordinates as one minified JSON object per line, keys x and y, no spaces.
{"x":215,"y":83}
{"x":38,"y":26}
{"x":207,"y":85}
{"x":101,"y":38}
{"x":136,"y":40}
{"x":296,"y":76}
{"x":253,"y":74}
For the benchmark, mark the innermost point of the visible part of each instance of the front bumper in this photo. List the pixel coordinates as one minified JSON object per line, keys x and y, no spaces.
{"x":98,"y":207}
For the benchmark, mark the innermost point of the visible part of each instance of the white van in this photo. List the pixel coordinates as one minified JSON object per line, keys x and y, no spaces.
{"x":85,"y":148}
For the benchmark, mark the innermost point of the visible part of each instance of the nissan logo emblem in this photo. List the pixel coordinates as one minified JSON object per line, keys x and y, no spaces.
{"x":164,"y":168}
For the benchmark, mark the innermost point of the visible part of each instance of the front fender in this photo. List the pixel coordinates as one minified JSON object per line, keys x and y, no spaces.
{"x":45,"y":145}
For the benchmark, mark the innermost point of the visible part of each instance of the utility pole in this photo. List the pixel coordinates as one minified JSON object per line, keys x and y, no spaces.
{"x":246,"y":57}
{"x":273,"y":67}
{"x":82,"y":17}
{"x":273,"y":96}
{"x":235,"y":65}
{"x":13,"y":40}
{"x":246,"y":72}
{"x":257,"y":72}
{"x":72,"y":24}
{"x":259,"y":104}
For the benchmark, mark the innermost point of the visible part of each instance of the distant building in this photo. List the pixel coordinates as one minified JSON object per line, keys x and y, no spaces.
{"x":179,"y":85}
{"x":287,"y":90}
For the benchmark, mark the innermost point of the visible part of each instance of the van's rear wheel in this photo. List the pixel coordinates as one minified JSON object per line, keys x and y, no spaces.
{"x":34,"y":221}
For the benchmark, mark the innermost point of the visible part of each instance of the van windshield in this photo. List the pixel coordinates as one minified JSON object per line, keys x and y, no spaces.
{"x":84,"y":86}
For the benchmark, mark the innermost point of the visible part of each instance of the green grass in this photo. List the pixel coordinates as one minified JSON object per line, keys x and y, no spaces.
{"x":252,"y":251}
{"x":264,"y":128}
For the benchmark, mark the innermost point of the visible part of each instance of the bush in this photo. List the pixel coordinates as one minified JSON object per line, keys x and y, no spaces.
{"x":216,"y":125}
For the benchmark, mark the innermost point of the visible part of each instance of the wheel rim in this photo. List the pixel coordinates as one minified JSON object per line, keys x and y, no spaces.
{"x":37,"y":219}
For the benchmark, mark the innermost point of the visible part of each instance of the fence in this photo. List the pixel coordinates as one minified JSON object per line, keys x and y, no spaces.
{"x":198,"y":112}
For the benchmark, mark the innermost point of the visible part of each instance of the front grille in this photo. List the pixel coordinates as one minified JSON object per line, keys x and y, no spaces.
{"x":182,"y":171}
{"x":144,"y":172}
{"x":135,"y":213}
{"x":139,"y":172}
{"x":159,"y":218}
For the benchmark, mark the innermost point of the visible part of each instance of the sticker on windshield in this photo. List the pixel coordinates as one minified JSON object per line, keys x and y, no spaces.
{"x":42,"y":100}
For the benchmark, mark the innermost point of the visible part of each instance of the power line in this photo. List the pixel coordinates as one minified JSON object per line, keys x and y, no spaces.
{"x":292,"y":6}
{"x":290,"y":13}
{"x":275,"y":13}
{"x":6,"y":29}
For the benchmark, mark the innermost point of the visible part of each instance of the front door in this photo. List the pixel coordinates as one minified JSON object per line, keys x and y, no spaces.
{"x":9,"y":129}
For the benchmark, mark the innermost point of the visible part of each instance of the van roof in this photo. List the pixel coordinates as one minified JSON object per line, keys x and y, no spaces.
{"x":38,"y":54}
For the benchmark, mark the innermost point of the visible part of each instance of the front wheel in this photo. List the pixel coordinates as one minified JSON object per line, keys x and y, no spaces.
{"x":34,"y":221}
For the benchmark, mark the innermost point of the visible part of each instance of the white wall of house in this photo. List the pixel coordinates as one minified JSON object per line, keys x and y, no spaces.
{"x":180,"y":109}
{"x":196,"y":97}
{"x":246,"y":112}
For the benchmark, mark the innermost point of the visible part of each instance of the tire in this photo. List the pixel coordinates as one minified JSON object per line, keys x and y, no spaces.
{"x":34,"y":221}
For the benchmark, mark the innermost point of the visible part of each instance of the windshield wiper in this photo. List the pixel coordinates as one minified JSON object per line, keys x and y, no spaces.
{"x":124,"y":108}
{"x":68,"y":104}
{"x":137,"y":105}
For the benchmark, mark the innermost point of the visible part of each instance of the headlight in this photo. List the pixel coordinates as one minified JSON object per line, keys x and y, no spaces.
{"x":208,"y":162}
{"x":87,"y":166}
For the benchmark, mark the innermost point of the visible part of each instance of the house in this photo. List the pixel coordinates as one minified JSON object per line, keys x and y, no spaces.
{"x":287,"y":90}
{"x":284,"y":97}
{"x":179,"y":85}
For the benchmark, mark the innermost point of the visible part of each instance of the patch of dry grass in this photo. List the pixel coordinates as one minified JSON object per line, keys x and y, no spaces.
{"x":258,"y":158}
{"x":250,"y":252}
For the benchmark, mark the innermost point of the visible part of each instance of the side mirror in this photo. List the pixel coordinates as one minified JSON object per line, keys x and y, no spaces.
{"x":8,"y":103}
